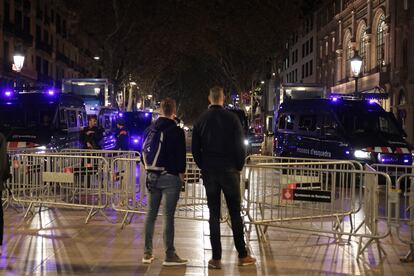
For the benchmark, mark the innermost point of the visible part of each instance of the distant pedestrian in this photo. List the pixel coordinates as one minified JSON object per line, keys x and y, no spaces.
{"x":4,"y":175}
{"x":164,"y":158}
{"x":92,"y":135}
{"x":122,"y":136}
{"x":219,"y":151}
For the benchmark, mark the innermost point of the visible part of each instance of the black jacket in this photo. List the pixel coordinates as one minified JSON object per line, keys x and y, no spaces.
{"x":122,"y":139}
{"x":93,"y":138}
{"x":218,"y":140}
{"x":173,"y":151}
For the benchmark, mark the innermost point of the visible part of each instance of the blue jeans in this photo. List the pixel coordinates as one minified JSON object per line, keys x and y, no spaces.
{"x":167,"y":186}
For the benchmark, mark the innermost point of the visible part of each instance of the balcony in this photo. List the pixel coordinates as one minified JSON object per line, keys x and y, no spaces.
{"x":40,"y":45}
{"x":62,"y":58}
{"x":17,"y":32}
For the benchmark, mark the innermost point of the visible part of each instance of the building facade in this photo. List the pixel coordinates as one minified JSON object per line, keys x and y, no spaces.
{"x":42,"y":31}
{"x":299,"y":59}
{"x":381,"y":32}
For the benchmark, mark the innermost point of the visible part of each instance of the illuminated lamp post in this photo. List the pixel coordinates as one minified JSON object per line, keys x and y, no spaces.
{"x":18,"y":61}
{"x":356,"y":65}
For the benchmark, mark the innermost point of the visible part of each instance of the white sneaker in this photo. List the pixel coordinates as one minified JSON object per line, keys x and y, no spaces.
{"x":147,"y":259}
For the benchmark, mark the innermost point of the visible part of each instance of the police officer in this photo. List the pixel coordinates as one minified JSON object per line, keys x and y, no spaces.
{"x":92,"y":135}
{"x":122,"y":136}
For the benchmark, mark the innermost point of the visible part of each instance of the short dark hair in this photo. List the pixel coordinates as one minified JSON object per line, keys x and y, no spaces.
{"x":216,"y":92}
{"x":93,"y":117}
{"x":168,"y":106}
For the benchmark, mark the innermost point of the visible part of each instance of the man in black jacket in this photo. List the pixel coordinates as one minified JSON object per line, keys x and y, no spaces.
{"x":92,"y":135}
{"x":122,"y":137}
{"x":166,"y":184}
{"x":218,"y":149}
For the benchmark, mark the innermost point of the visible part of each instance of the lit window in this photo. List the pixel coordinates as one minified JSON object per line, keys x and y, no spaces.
{"x":349,"y":55}
{"x":380,"y":41}
{"x":363,"y":48}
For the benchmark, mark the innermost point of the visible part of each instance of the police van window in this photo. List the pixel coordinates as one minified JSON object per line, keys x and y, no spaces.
{"x":62,"y":119}
{"x":330,"y":126}
{"x":286,"y":121}
{"x":282,"y":122}
{"x":307,"y":122}
{"x":80,"y":118}
{"x":72,"y":118}
{"x":289,"y":121}
{"x":387,"y":126}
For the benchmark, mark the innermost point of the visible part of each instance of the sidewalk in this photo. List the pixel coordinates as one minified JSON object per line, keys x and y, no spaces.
{"x":59,"y":243}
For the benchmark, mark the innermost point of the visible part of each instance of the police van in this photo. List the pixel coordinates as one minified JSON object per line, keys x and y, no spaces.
{"x":107,"y":119}
{"x":41,"y":119}
{"x":340,"y":128}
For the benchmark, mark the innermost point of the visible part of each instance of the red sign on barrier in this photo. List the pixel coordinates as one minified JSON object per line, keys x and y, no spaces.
{"x":287,"y":194}
{"x":15,"y":164}
{"x":291,"y":186}
{"x":68,"y":170}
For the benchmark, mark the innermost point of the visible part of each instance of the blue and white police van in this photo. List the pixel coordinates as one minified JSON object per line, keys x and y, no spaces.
{"x":41,"y":119}
{"x":340,"y":128}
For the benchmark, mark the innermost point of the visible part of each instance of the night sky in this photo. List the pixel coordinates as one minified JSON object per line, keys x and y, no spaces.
{"x":180,"y":48}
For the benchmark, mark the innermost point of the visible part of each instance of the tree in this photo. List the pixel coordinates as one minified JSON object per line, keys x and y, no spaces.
{"x":180,"y":48}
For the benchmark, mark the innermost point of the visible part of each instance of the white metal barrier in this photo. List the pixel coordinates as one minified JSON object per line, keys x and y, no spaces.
{"x":7,"y":199}
{"x":326,"y":204}
{"x":405,"y":213}
{"x":109,"y":155}
{"x":60,"y":180}
{"x":330,"y":194}
{"x":128,"y":189}
{"x":129,"y":193}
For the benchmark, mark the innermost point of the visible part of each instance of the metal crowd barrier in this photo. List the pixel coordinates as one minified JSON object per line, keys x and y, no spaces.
{"x":404,"y":213}
{"x":129,"y":193}
{"x":315,"y":197}
{"x":60,"y":180}
{"x":7,"y":199}
{"x":301,"y":194}
{"x":192,"y":203}
{"x":109,"y":155}
{"x":127,"y":189}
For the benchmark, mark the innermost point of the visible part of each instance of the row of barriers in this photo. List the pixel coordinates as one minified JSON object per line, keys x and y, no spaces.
{"x":340,"y":198}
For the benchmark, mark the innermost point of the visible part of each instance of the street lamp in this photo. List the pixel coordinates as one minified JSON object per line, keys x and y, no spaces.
{"x":18,"y":60}
{"x":356,"y":65}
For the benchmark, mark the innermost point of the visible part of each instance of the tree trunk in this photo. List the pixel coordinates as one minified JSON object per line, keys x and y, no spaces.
{"x":130,"y":101}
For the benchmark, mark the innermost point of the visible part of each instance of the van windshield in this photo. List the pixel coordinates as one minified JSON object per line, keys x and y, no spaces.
{"x":137,"y":122}
{"x":27,"y":116}
{"x":369,"y":123}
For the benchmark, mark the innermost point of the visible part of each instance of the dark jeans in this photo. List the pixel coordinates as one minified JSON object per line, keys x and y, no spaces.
{"x":167,"y":186}
{"x":1,"y":222}
{"x":229,"y":183}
